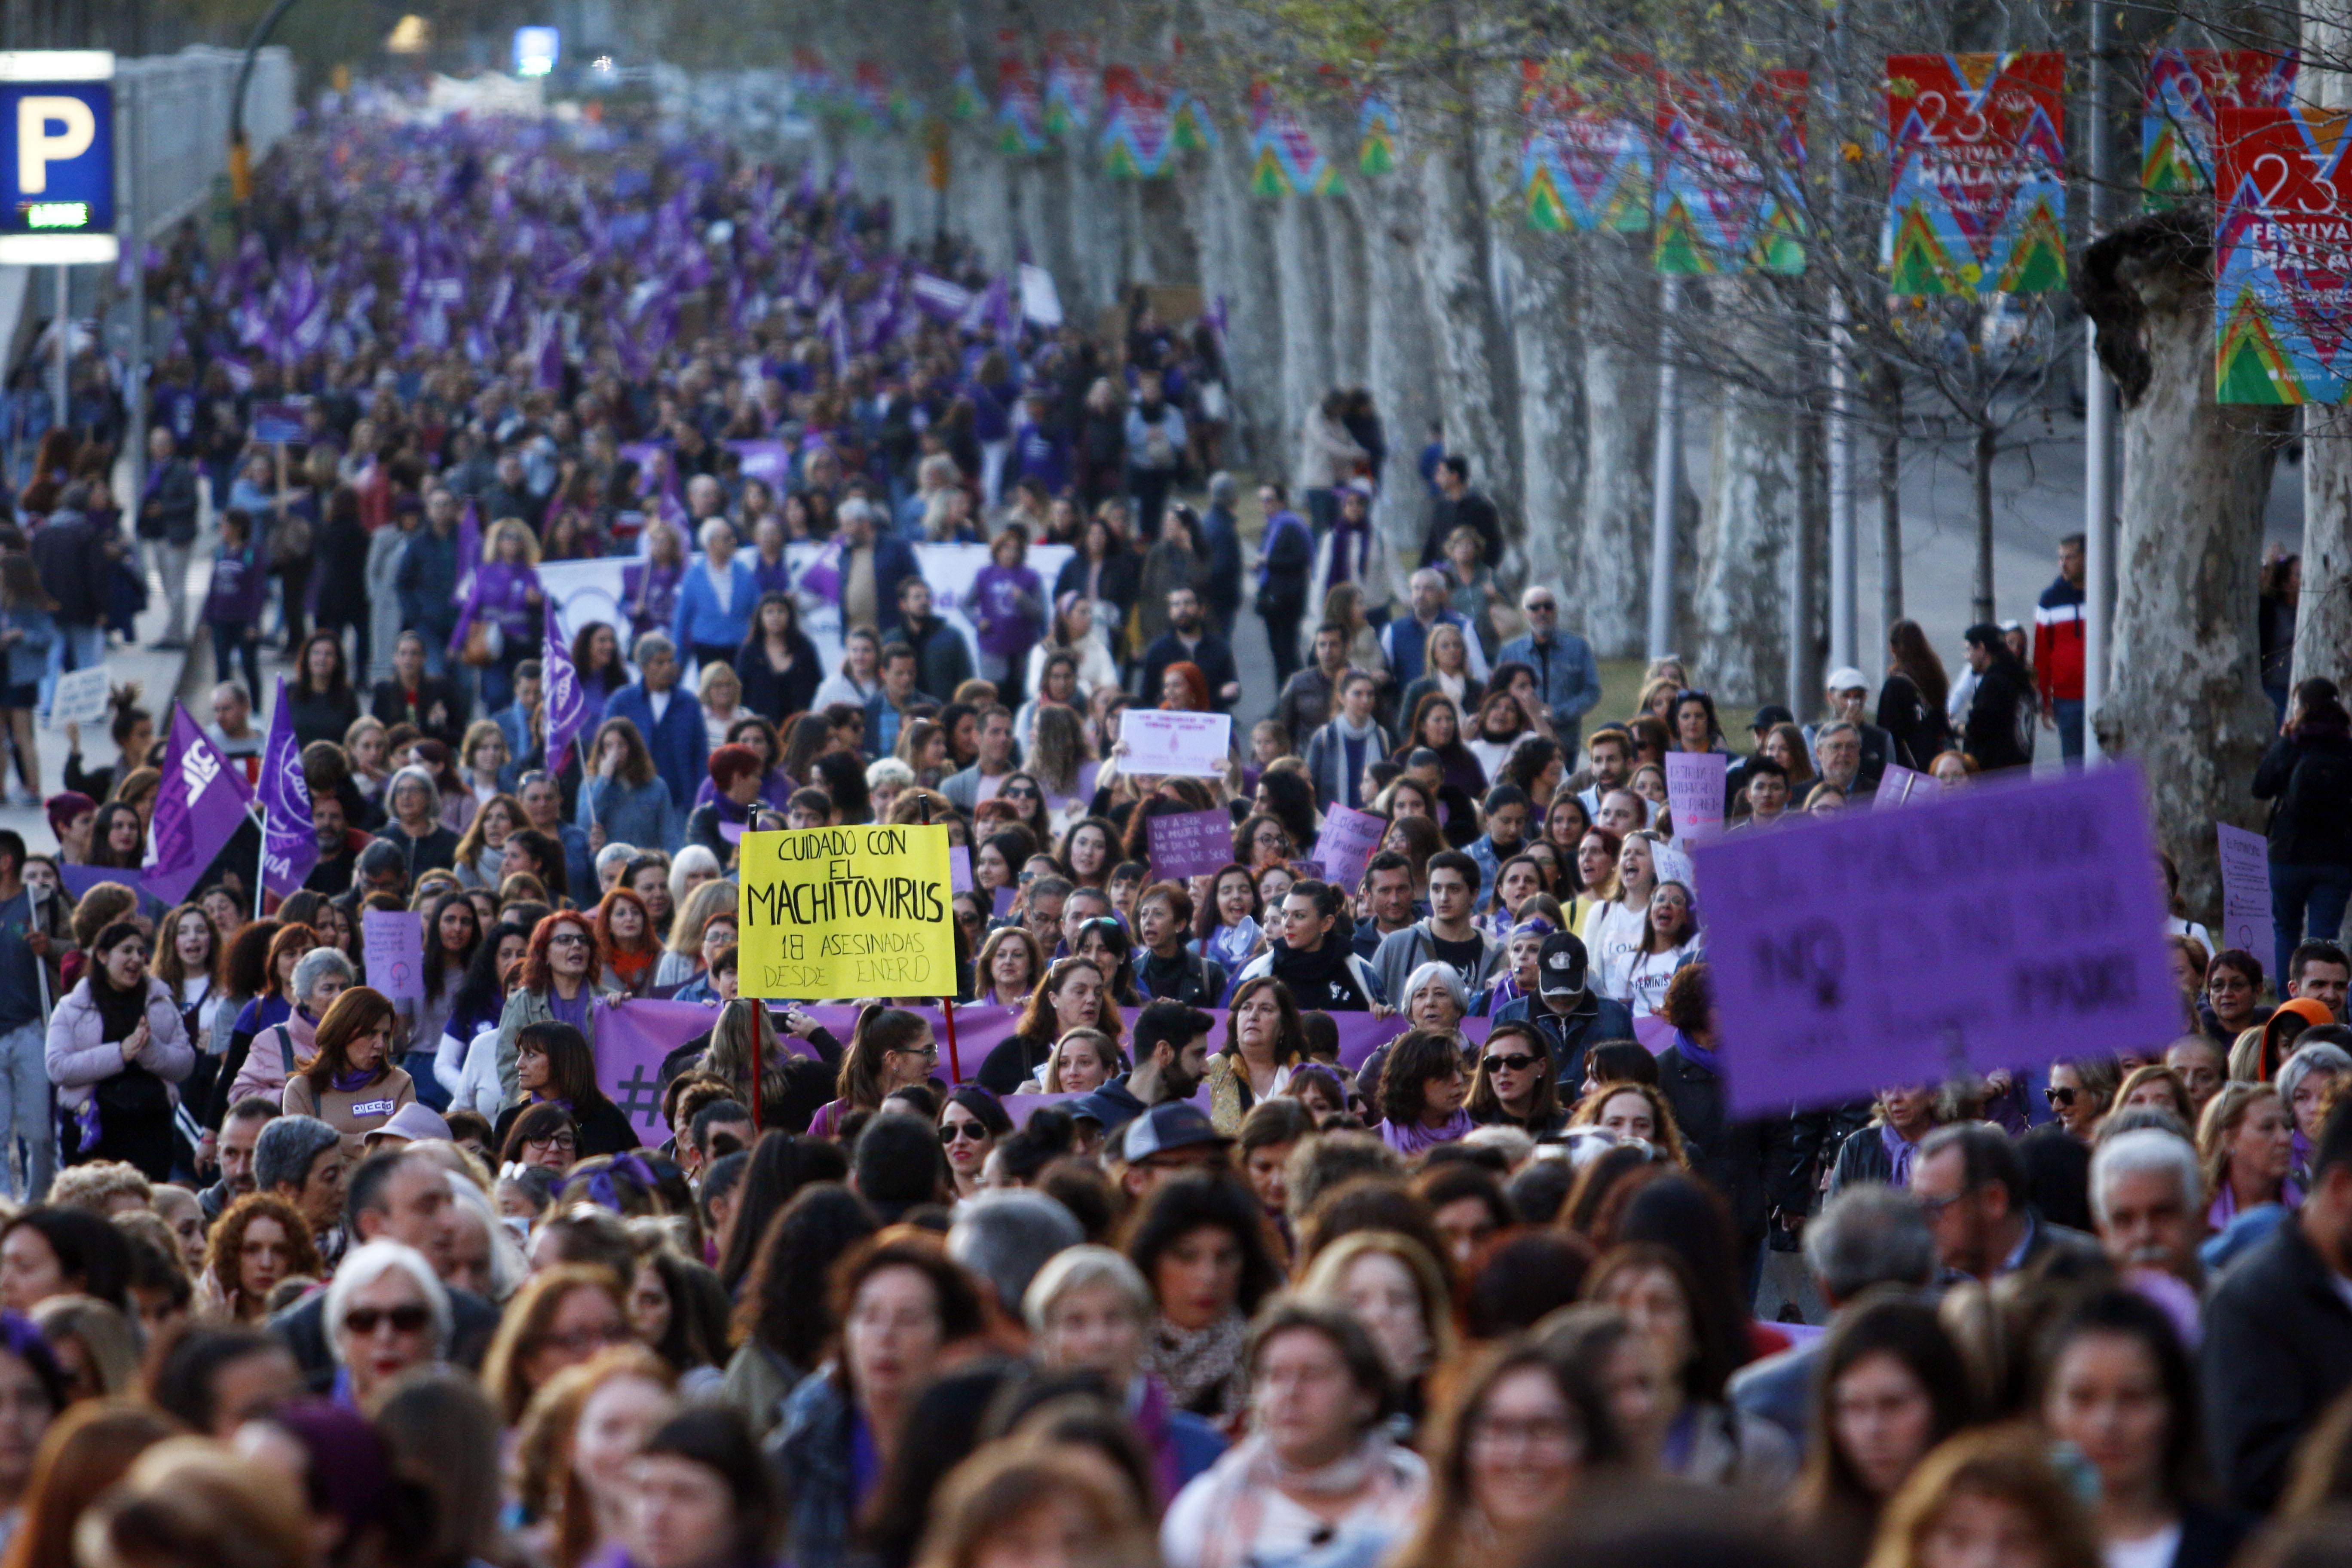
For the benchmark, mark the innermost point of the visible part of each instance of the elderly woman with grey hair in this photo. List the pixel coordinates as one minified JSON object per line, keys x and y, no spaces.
{"x":386,"y":1312}
{"x":1435,"y":997}
{"x":1090,"y":1310}
{"x":283,"y":1049}
{"x":426,"y":842}
{"x":2303,"y":1083}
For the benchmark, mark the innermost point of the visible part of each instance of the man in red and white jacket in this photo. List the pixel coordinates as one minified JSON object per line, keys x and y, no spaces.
{"x":2058,"y":623}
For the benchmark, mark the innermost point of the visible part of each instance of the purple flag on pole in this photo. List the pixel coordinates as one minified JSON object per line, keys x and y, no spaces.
{"x":201,"y":801}
{"x":567,"y":705}
{"x":290,"y":843}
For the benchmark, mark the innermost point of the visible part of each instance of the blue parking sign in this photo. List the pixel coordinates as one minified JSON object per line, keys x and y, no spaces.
{"x":56,"y":157}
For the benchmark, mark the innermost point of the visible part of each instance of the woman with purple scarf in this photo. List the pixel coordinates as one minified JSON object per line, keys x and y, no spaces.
{"x":649,"y":588}
{"x":505,"y":596}
{"x":1422,"y":1090}
{"x":1008,"y":609}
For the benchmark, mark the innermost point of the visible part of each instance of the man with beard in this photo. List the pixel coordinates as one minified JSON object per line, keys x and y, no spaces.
{"x":1171,"y":1053}
{"x":942,"y":659}
{"x":1188,"y":640}
{"x":1319,"y":966}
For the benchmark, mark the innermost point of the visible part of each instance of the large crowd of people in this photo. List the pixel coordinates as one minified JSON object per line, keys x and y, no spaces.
{"x":294,"y":1274}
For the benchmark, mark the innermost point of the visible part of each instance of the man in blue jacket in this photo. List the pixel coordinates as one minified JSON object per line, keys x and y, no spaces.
{"x":1220,"y":530}
{"x":670,"y":720}
{"x":1566,"y":676}
{"x":427,"y":581}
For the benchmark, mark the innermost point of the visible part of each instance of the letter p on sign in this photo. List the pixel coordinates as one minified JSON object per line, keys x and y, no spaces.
{"x":37,"y":148}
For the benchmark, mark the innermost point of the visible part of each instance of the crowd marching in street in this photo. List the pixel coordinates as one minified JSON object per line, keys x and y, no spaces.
{"x":1305,"y":1208}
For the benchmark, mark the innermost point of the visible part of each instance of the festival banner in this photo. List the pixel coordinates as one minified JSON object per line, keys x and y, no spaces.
{"x":1189,"y":127}
{"x":1728,"y":161}
{"x":848,"y":912}
{"x":1020,"y":102}
{"x":2185,"y":88}
{"x":1584,"y":166}
{"x":1283,"y":158}
{"x":1376,"y":132}
{"x":965,"y":101}
{"x":1977,"y":165}
{"x":2283,"y":255}
{"x":1135,"y":140}
{"x":289,"y":842}
{"x":1073,"y":69}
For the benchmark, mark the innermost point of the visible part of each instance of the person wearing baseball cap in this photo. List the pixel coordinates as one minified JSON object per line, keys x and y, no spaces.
{"x":1169,"y":1139}
{"x":1570,"y":1015}
{"x":1847,"y":699}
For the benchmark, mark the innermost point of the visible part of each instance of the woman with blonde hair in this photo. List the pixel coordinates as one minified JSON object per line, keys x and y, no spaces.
{"x":498,"y":624}
{"x":2245,"y":1141}
{"x":1391,"y":1285}
{"x":721,"y":694}
{"x":1613,"y":934}
{"x":1992,"y":1495}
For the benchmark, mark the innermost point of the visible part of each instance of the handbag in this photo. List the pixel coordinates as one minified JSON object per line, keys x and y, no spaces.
{"x":484,"y":644}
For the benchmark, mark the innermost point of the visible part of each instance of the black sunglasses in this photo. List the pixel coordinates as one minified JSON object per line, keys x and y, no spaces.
{"x":2059,"y":1094}
{"x":407,"y":1319}
{"x":954,"y":1131}
{"x":1509,"y":1064}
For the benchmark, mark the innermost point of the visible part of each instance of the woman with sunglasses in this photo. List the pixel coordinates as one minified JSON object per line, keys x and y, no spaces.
{"x":1026,"y":796}
{"x":970,"y":1123}
{"x":2081,"y":1090}
{"x":1513,"y":1085}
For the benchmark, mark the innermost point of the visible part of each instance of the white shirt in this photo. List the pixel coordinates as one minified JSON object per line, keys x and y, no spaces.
{"x":722,"y":582}
{"x":1610,"y":938}
{"x":659,"y":702}
{"x":2150,"y":1552}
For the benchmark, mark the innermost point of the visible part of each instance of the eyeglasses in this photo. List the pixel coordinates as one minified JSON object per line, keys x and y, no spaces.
{"x":957,"y":1132}
{"x":1509,"y":1063}
{"x":931,"y":1052}
{"x":405,"y":1319}
{"x":2058,"y":1094}
{"x":587,"y":1341}
{"x":561,"y":1143}
{"x":567,"y":939}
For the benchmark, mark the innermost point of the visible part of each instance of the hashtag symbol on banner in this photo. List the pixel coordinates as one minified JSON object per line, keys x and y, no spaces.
{"x":641,"y":1096}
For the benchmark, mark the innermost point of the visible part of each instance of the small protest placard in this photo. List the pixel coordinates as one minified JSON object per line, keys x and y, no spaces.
{"x":1163,"y":744}
{"x":2246,"y":892}
{"x":1694,"y":792}
{"x":79,"y":697}
{"x":1190,"y":843}
{"x":279,"y":424}
{"x":393,"y":950}
{"x":2010,"y":925}
{"x":1349,"y":841}
{"x":1905,"y":786}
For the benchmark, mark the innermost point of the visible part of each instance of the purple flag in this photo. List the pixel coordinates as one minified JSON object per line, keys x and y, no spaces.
{"x":289,"y":844}
{"x":469,"y":552}
{"x":567,"y":705}
{"x":547,"y":361}
{"x":198,"y":806}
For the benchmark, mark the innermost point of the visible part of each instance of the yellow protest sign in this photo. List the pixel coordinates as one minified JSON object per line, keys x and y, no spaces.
{"x":847,"y":911}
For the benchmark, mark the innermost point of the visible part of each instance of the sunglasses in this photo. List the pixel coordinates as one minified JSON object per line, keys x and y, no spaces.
{"x":2058,"y":1094}
{"x":405,"y":1320}
{"x":1509,"y":1063}
{"x":957,"y":1132}
{"x":1023,"y":794}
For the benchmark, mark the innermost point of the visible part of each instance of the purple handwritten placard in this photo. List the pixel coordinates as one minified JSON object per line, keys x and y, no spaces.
{"x":1191,"y":843}
{"x":1347,"y":844}
{"x":2013,"y":924}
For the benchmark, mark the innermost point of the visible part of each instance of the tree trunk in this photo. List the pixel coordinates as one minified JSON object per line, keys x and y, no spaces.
{"x":1237,"y":266}
{"x":1621,"y":415}
{"x":1981,"y":601}
{"x":1473,"y":353}
{"x":1096,"y":226}
{"x":1170,"y":232}
{"x":1305,"y":282}
{"x":1397,"y":359}
{"x":1546,"y":340}
{"x":2323,"y":618}
{"x":1343,"y":264}
{"x":1747,"y":536}
{"x":2183,"y":697}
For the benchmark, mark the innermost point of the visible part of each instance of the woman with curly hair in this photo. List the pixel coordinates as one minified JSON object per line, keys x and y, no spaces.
{"x":260,"y":1241}
{"x":1205,"y":1247}
{"x":625,"y":936}
{"x":1263,"y":841}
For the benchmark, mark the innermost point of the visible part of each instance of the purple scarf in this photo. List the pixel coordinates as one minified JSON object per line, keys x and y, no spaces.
{"x":1415,"y":1137}
{"x":1900,"y":1153}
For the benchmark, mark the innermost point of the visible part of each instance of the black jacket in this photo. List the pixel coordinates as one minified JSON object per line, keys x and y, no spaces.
{"x":168,"y":510}
{"x":1195,"y":982}
{"x":1917,"y":726}
{"x":774,"y":697}
{"x":1727,"y":1154}
{"x":2277,"y":1352}
{"x":388,"y":704}
{"x":69,"y":554}
{"x":602,"y":1129}
{"x":1214,"y":658}
{"x":1473,"y":510}
{"x":1998,"y":731}
{"x":2309,"y":773}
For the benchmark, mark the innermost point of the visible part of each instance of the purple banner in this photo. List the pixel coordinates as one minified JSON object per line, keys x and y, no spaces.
{"x":1191,"y":843}
{"x":631,"y":1038}
{"x":2010,"y":925}
{"x":198,"y":806}
{"x":567,"y":705}
{"x":289,"y":842}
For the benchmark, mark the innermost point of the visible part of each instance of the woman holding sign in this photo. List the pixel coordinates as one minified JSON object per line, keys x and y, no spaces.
{"x":350,"y":1085}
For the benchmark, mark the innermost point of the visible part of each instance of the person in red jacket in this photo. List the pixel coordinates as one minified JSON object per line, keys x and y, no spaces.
{"x":2058,"y":623}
